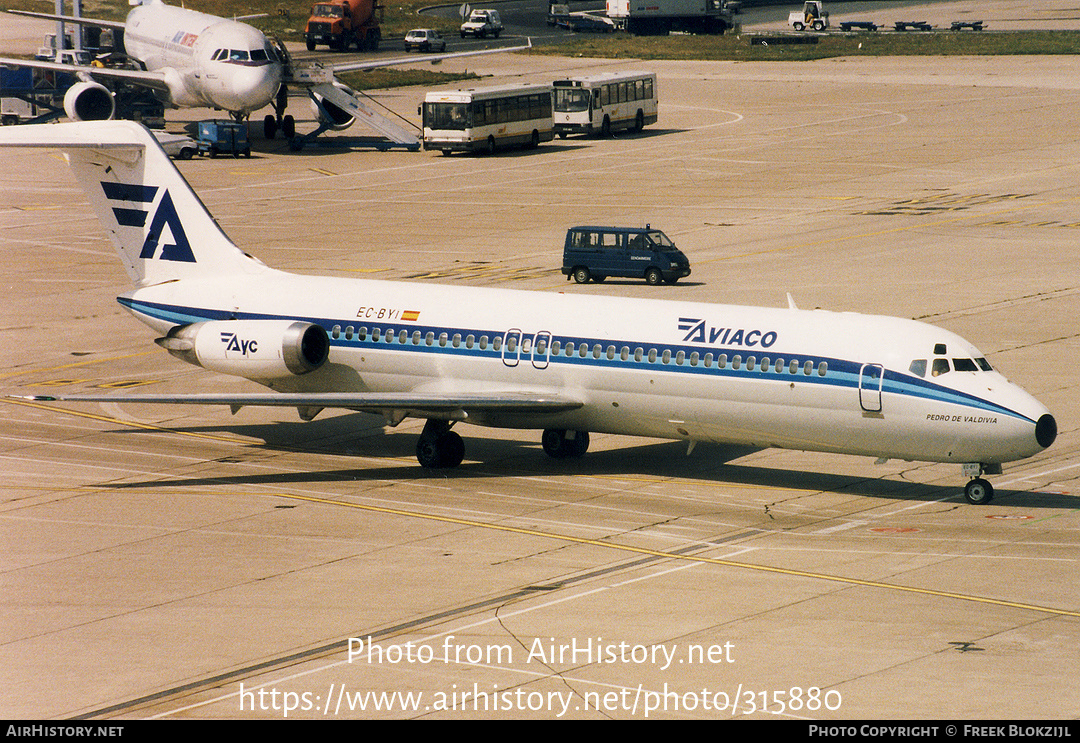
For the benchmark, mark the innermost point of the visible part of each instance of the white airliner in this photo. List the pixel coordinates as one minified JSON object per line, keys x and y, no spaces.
{"x":568,"y":364}
{"x":196,"y":60}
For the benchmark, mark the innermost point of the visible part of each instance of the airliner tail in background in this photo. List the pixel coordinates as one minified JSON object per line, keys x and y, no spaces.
{"x":562,"y":363}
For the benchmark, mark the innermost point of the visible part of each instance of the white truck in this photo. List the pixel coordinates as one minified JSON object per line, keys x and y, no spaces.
{"x":812,"y":16}
{"x":661,"y":17}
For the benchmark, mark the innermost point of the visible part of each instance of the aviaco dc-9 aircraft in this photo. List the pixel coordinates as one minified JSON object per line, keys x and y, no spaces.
{"x":565,"y":364}
{"x":196,"y":60}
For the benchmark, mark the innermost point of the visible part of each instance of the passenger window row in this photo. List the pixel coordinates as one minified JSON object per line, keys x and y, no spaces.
{"x":570,"y":349}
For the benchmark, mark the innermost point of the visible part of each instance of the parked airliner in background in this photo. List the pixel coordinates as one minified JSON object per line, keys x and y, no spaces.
{"x":196,"y":60}
{"x":568,"y":364}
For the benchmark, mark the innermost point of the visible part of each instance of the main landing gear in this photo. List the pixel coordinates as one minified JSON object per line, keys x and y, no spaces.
{"x":440,"y":448}
{"x":559,"y":444}
{"x":979,"y":491}
{"x":279,"y":121}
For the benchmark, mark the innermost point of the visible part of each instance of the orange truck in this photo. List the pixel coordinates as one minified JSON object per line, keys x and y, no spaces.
{"x":343,"y":23}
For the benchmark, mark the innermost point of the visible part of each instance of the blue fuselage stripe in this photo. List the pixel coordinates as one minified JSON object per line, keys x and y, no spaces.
{"x":680,"y":359}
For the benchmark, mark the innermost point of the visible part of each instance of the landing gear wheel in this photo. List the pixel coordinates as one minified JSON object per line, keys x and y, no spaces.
{"x":269,"y":126}
{"x":979,"y":492}
{"x":439,"y":447}
{"x":560,"y":444}
{"x":288,"y":126}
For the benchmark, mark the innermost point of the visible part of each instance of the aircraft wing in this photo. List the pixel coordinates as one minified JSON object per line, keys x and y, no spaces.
{"x":71,"y":19}
{"x":372,"y":64}
{"x":148,"y":79}
{"x":394,"y":406}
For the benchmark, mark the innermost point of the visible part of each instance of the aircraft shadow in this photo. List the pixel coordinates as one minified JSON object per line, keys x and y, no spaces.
{"x":357,"y":435}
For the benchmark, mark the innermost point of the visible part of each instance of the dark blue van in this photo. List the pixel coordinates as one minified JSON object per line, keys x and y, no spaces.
{"x":624,"y":252}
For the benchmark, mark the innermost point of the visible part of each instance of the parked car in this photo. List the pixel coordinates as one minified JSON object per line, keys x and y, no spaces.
{"x":595,"y":253}
{"x":424,"y":40}
{"x":176,"y":146}
{"x":482,"y":23}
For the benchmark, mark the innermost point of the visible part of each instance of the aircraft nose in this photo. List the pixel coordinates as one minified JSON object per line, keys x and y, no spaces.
{"x":255,"y":87}
{"x":1046,"y":430}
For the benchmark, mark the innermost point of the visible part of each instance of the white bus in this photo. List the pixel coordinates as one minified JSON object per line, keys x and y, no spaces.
{"x":601,"y":104}
{"x":487,"y":119}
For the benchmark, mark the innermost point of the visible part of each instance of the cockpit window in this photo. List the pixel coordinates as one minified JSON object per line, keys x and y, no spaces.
{"x":964,"y":365}
{"x":984,"y":364}
{"x":918,"y":367}
{"x":941,"y":366}
{"x":252,"y":58}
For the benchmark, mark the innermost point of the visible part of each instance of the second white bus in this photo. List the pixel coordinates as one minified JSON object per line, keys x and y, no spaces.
{"x":487,"y":119}
{"x":601,"y":104}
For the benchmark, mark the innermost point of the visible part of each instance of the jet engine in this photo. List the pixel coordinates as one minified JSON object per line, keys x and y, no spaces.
{"x":89,"y":101}
{"x":330,"y":115}
{"x":255,"y":349}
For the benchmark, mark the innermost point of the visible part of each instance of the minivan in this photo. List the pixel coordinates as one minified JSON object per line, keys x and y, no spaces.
{"x":626,"y":252}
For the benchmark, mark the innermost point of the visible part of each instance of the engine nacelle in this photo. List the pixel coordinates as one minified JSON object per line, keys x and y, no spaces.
{"x":255,"y":349}
{"x":87,"y":101}
{"x":330,"y":115}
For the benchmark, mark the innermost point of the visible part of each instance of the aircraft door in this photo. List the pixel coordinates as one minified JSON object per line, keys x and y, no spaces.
{"x":541,"y":349}
{"x":871,"y":377}
{"x":511,"y":347}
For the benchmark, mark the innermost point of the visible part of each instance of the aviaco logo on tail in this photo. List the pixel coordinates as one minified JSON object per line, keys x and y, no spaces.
{"x":698,"y":332}
{"x":235,"y":343}
{"x":165,"y":236}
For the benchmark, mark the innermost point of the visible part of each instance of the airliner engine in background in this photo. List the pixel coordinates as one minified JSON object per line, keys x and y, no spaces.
{"x":191,"y":59}
{"x":196,"y":60}
{"x":565,"y":364}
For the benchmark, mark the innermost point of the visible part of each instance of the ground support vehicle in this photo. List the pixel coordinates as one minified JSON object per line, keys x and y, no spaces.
{"x":596,"y":253}
{"x":488,"y":119}
{"x":177,"y":146}
{"x":601,"y":104}
{"x":223,"y":137}
{"x":31,"y":96}
{"x":812,"y":16}
{"x":661,"y":17}
{"x":858,"y":25}
{"x":482,"y":23}
{"x":341,"y":24}
{"x":912,"y":26}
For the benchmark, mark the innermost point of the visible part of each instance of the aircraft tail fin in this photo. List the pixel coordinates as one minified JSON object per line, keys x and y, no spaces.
{"x":159,"y":225}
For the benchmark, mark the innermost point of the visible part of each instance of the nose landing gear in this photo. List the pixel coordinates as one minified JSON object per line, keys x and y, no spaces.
{"x":979,"y":491}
